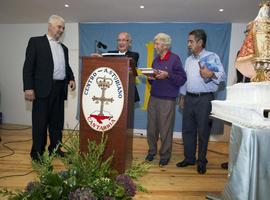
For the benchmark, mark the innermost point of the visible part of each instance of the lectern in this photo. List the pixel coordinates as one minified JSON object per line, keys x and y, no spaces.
{"x":107,"y":104}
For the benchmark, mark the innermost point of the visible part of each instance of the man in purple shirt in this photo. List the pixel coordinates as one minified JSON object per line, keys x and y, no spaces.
{"x":168,"y":76}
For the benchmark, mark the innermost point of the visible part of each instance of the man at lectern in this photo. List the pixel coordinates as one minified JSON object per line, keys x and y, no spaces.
{"x":46,"y":76}
{"x":123,"y":45}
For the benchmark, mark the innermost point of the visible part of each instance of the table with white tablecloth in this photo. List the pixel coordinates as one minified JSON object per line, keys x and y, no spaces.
{"x":249,"y":164}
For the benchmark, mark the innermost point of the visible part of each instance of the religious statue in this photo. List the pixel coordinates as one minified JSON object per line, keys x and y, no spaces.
{"x":253,"y":59}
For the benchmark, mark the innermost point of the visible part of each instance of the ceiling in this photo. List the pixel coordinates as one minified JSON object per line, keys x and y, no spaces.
{"x":38,"y":11}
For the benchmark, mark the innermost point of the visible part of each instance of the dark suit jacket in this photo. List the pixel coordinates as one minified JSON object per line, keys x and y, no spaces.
{"x":38,"y":67}
{"x":133,"y":63}
{"x":240,"y":77}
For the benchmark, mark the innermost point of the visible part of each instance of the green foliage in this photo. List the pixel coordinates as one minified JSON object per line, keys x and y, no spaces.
{"x":43,"y":165}
{"x":138,"y":170}
{"x":87,"y":176}
{"x":140,"y":188}
{"x":119,"y":192}
{"x":103,"y":187}
{"x":87,"y":167}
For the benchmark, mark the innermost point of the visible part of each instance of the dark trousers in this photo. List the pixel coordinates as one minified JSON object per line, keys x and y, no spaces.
{"x":137,"y":97}
{"x":48,"y":113}
{"x":196,"y":122}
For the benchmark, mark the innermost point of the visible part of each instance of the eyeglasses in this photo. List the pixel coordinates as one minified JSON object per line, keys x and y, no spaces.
{"x":118,"y":40}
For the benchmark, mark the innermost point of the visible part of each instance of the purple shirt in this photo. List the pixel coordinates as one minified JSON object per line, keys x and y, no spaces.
{"x":168,"y":88}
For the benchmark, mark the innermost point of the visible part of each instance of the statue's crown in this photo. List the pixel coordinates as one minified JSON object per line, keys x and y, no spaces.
{"x":264,"y":2}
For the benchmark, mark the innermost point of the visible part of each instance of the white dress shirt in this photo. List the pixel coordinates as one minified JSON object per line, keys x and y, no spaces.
{"x":195,"y":83}
{"x":59,"y":71}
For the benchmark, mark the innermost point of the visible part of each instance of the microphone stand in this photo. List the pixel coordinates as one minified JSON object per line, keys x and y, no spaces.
{"x":95,"y":47}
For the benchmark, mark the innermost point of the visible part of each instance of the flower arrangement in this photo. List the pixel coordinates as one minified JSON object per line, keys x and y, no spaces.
{"x":87,"y":176}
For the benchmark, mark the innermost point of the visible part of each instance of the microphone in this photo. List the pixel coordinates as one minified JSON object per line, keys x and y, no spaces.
{"x":100,"y":44}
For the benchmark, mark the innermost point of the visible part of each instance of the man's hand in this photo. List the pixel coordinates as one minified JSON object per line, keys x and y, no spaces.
{"x":151,"y":78}
{"x":72,"y":85}
{"x":206,"y":73}
{"x":96,"y":55}
{"x":181,"y":102}
{"x":160,"y":74}
{"x":29,"y":95}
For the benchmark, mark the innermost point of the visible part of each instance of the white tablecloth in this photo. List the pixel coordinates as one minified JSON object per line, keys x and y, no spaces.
{"x":249,"y":165}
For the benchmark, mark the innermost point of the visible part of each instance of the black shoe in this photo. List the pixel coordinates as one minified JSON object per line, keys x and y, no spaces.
{"x":37,"y":159}
{"x":60,"y":153}
{"x":224,"y":165}
{"x":201,"y":169}
{"x":150,"y":157}
{"x":184,"y":163}
{"x":163,"y":162}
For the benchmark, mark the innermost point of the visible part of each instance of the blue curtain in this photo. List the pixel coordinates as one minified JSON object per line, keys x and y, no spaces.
{"x":218,"y":41}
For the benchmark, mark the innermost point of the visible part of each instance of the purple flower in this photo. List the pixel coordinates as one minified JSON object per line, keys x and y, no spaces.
{"x":108,"y":198}
{"x":127,"y":183}
{"x":30,"y":186}
{"x":82,"y":194}
{"x":63,"y":174}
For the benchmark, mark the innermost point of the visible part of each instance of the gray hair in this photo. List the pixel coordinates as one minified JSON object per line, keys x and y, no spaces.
{"x":127,"y":34}
{"x":199,"y":34}
{"x":54,"y":18}
{"x":165,"y":39}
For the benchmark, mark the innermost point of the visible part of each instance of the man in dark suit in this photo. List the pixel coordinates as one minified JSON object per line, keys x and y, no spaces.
{"x":123,"y":45}
{"x":46,"y":76}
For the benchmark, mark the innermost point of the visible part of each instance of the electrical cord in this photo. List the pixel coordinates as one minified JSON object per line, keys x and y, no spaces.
{"x":181,"y":143}
{"x":213,"y":151}
{"x":216,"y":152}
{"x":138,"y":134}
{"x":14,"y":129}
{"x":12,"y":153}
{"x":71,"y":132}
{"x":19,"y":141}
{"x":10,"y":149}
{"x":16,"y":175}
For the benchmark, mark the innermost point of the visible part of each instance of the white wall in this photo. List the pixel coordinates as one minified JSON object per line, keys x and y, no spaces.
{"x":13,"y":40}
{"x":237,"y":37}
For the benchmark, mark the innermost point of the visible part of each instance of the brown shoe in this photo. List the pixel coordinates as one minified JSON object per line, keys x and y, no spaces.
{"x":224,"y":165}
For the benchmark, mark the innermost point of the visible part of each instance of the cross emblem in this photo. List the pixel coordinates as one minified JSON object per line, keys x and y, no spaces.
{"x":103,"y":83}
